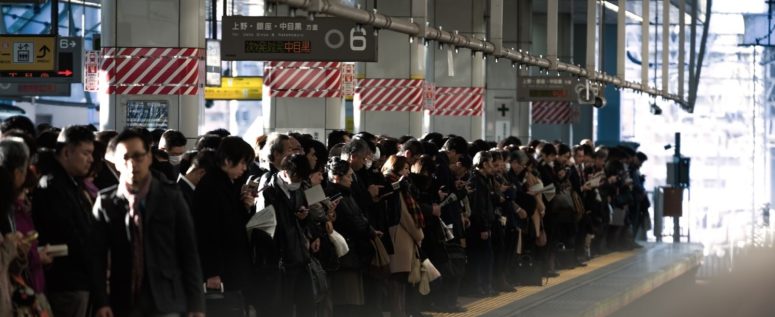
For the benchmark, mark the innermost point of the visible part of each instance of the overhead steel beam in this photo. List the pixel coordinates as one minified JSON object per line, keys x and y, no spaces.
{"x":620,"y":33}
{"x":644,"y":44}
{"x":408,"y":26}
{"x":681,"y":45}
{"x":666,"y":45}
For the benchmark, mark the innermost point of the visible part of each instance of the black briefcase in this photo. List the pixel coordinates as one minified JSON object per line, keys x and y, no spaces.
{"x":566,"y":257}
{"x":221,"y":303}
{"x":529,"y":272}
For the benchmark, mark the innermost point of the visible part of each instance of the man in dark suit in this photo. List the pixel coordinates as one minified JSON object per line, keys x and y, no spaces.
{"x":61,"y":212}
{"x":196,"y":166}
{"x":145,"y":226}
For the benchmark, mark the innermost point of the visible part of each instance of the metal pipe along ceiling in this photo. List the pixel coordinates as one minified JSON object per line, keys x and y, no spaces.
{"x":407,"y":26}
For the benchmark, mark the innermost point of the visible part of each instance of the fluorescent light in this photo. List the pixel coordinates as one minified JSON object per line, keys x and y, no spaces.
{"x":615,"y":8}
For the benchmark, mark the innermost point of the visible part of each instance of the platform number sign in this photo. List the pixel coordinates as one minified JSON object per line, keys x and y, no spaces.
{"x":297,"y":39}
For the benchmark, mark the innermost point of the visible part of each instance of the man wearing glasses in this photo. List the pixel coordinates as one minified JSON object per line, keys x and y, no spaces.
{"x":145,"y":226}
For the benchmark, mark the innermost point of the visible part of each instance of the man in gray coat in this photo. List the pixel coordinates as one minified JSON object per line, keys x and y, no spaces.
{"x":145,"y":224}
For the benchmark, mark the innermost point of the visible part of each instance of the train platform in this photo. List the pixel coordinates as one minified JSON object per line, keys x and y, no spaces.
{"x":605,"y":285}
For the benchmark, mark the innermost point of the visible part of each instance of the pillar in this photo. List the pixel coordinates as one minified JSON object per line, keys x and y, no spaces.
{"x":609,"y":118}
{"x":469,"y":71}
{"x":399,"y":58}
{"x":162,"y":25}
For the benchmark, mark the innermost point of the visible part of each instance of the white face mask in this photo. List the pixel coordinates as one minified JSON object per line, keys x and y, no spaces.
{"x":175,"y":160}
{"x":508,"y":166}
{"x":551,"y":163}
{"x":294,"y":186}
{"x":377,"y":154}
{"x":367,"y":164}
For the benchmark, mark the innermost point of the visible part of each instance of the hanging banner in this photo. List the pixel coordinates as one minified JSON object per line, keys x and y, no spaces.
{"x":91,"y":67}
{"x":428,"y":95}
{"x":348,"y":79}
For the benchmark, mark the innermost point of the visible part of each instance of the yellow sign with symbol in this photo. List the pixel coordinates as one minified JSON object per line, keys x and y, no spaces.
{"x":24,"y":53}
{"x":236,"y":88}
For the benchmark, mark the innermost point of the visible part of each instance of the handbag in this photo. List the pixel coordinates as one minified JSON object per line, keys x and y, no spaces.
{"x":222,"y":303}
{"x":541,"y":240}
{"x":25,"y":302}
{"x":430,"y":269}
{"x":340,"y":244}
{"x":381,"y":258}
{"x":415,"y":274}
{"x":528,"y":271}
{"x":319,"y":282}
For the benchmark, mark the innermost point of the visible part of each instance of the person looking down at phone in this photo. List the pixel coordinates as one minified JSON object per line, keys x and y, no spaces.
{"x":145,"y":233}
{"x":221,"y":211}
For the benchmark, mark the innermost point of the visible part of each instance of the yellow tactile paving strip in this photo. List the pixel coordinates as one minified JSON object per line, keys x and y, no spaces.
{"x":485,"y":305}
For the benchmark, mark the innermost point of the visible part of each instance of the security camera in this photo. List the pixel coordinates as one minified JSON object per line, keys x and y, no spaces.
{"x":600,"y":101}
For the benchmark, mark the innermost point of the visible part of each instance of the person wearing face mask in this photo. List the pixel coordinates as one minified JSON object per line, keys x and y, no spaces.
{"x":294,"y":244}
{"x":168,"y":155}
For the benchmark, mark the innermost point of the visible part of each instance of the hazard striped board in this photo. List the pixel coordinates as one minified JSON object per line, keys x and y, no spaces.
{"x":458,"y":101}
{"x":553,"y":112}
{"x":152,"y":70}
{"x":304,"y":79}
{"x":395,"y":94}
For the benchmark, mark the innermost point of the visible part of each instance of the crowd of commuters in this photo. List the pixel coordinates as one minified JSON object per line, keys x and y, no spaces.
{"x":131,"y":223}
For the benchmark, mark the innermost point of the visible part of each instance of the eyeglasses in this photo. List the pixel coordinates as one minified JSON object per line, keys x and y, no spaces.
{"x":137,"y":156}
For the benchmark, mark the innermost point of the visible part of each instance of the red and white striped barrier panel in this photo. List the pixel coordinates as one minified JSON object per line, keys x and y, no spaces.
{"x":553,"y":112}
{"x":458,"y":101}
{"x":152,"y":70}
{"x":304,"y":79}
{"x":390,"y":94}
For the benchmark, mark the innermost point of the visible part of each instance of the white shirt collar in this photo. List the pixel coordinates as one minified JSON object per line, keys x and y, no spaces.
{"x":183,"y":177}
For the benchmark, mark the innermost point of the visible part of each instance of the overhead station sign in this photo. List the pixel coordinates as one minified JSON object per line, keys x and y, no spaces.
{"x":236,"y":88}
{"x":20,"y":53}
{"x":55,"y":60}
{"x":297,"y":39}
{"x":542,"y":88}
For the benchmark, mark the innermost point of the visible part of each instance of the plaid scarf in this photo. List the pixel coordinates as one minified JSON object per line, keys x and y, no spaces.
{"x":411,"y":204}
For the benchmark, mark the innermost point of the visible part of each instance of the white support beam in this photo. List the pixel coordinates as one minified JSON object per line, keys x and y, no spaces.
{"x":681,"y":45}
{"x":644,"y":44}
{"x":591,"y":35}
{"x":665,"y":45}
{"x":551,"y":32}
{"x":620,"y":32}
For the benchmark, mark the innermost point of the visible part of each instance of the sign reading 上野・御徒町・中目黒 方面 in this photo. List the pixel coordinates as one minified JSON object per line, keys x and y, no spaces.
{"x":297,"y":39}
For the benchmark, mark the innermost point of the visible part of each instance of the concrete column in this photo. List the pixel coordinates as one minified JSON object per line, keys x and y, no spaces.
{"x":466,"y":17}
{"x":162,"y":24}
{"x":398,"y":58}
{"x":524,"y":42}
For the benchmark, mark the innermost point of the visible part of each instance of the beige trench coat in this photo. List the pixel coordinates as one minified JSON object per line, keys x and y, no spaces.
{"x":405,"y":236}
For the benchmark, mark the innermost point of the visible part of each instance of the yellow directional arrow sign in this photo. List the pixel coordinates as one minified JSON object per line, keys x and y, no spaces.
{"x":24,"y":53}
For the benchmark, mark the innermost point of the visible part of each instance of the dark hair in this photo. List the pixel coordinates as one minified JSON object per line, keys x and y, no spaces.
{"x":466,"y":161}
{"x":7,"y":199}
{"x":336,"y":150}
{"x":320,"y":152}
{"x":174,"y":138}
{"x":562,"y":149}
{"x":434,"y":138}
{"x":394,"y":164}
{"x":355,"y":147}
{"x":14,"y":154}
{"x":430,"y":149}
{"x":204,"y":159}
{"x":457,"y":144}
{"x":369,"y":142}
{"x":426,"y":164}
{"x":366,"y":136}
{"x":642,"y":157}
{"x":404,"y":138}
{"x":98,"y":157}
{"x":336,"y":137}
{"x":296,"y":165}
{"x":28,"y":139}
{"x":156,"y":137}
{"x":48,"y":139}
{"x":105,"y":136}
{"x":413,"y":146}
{"x":128,"y":134}
{"x":220,"y":132}
{"x":74,"y":135}
{"x":337,"y":167}
{"x":235,"y":150}
{"x":510,"y":140}
{"x":477,"y":146}
{"x":388,"y":146}
{"x":18,"y":122}
{"x":480,"y":158}
{"x":548,"y":149}
{"x":208,"y":141}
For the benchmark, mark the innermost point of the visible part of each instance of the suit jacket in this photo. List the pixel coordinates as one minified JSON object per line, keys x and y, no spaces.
{"x":220,"y":219}
{"x":172,"y":273}
{"x":62,"y":214}
{"x":187,"y":191}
